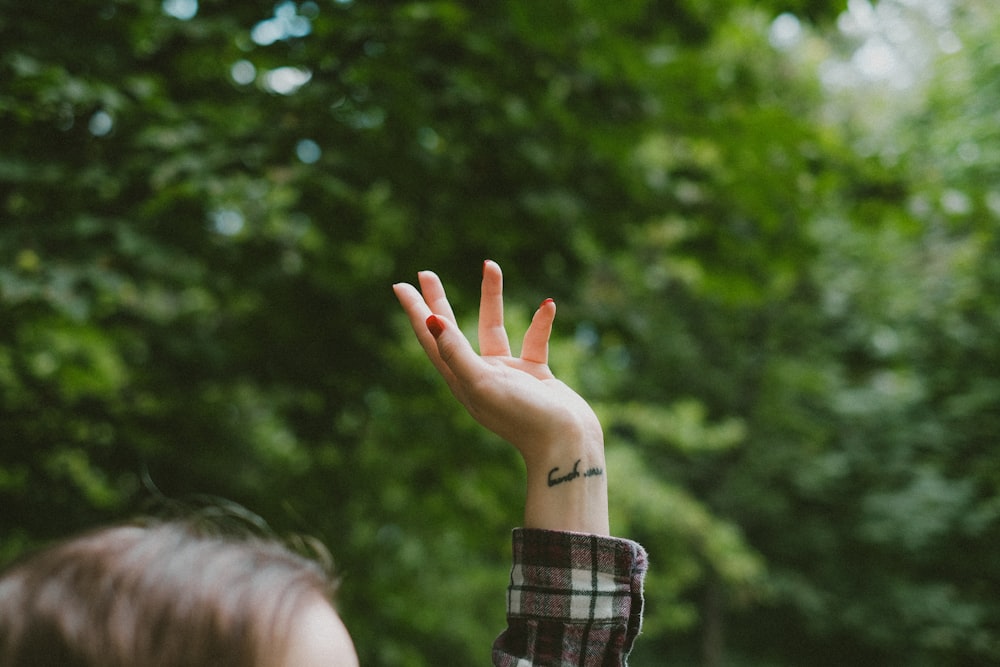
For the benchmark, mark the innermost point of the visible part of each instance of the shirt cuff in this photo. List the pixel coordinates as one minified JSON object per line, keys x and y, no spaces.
{"x":575,"y":578}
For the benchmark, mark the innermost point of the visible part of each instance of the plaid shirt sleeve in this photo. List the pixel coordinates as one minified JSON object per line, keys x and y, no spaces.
{"x":573,"y":600}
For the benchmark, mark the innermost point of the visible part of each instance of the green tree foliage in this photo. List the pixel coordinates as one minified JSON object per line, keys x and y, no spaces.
{"x":843,"y":348}
{"x":780,"y":293}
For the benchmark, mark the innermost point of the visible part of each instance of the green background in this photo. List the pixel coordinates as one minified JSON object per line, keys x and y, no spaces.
{"x":770,"y":228}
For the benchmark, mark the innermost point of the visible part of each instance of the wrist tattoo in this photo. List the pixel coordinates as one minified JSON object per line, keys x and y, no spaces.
{"x":570,"y":476}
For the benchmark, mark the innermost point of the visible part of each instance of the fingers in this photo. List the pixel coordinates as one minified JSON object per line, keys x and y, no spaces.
{"x":419,"y":305}
{"x":465,"y":366}
{"x":434,"y":296}
{"x":536,"y":340}
{"x":492,"y":335}
{"x":493,"y":340}
{"x":445,"y":344}
{"x":413,"y":304}
{"x":417,"y":311}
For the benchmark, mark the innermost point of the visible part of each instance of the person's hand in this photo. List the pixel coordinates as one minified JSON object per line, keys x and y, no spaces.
{"x":519,"y":399}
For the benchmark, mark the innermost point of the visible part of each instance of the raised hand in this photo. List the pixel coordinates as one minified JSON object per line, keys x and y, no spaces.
{"x":519,"y":399}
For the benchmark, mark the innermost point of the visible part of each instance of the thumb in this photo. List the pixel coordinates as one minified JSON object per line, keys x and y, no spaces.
{"x":455,"y":350}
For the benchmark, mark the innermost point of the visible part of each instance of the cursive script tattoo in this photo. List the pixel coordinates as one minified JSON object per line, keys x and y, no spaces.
{"x":570,"y":476}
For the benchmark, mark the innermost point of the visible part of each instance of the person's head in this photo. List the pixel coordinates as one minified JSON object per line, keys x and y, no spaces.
{"x":169,"y":594}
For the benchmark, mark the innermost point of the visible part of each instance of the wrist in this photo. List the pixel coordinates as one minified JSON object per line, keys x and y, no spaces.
{"x":568,"y":488}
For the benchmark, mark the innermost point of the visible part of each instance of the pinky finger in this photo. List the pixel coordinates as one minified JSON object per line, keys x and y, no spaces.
{"x":536,"y":340}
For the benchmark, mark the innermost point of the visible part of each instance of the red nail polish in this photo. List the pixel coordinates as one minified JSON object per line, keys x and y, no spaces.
{"x":547,"y":301}
{"x":434,"y":325}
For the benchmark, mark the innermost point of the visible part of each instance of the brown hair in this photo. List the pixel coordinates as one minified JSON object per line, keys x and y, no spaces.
{"x":166,"y":594}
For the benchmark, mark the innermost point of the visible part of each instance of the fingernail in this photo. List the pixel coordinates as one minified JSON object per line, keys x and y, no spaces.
{"x":547,"y":301}
{"x":485,"y":262}
{"x":435,"y":326}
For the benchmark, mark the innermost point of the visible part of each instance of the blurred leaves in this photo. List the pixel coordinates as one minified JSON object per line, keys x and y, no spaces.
{"x":777,"y":276}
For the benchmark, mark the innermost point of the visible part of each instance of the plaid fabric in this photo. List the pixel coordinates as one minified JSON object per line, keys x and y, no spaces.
{"x":574,"y":600}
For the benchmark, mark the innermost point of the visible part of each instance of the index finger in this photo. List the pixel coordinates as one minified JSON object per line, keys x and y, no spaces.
{"x":417,"y":311}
